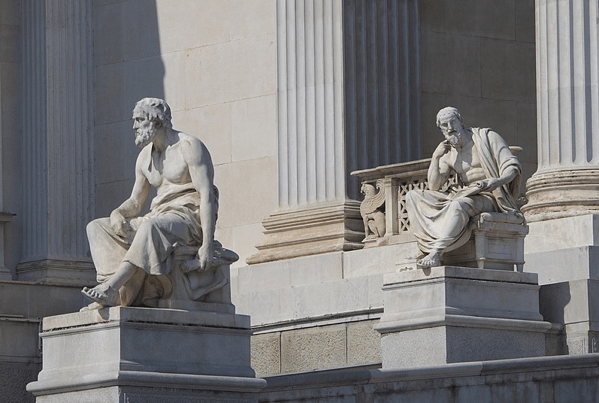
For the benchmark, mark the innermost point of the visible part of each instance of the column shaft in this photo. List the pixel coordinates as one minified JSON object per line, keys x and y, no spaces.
{"x":348,"y":97}
{"x":57,"y":171}
{"x":567,"y":180}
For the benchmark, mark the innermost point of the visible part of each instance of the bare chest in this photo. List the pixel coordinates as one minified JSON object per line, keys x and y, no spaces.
{"x":466,"y":163}
{"x":464,"y":159}
{"x":168,"y":166}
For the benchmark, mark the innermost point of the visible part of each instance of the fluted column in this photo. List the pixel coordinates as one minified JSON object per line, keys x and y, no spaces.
{"x":5,"y":217}
{"x":567,"y":180}
{"x":57,"y":167}
{"x":310,"y":97}
{"x":348,"y":98}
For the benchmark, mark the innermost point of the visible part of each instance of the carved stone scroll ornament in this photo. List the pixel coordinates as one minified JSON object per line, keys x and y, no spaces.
{"x":372,"y":210}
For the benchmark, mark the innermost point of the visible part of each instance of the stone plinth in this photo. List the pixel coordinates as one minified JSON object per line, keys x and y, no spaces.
{"x":454,"y":314}
{"x":565,"y":254}
{"x":497,"y":243}
{"x":137,"y":354}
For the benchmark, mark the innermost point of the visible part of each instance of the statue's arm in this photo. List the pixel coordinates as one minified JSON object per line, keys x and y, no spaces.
{"x":439,"y":170}
{"x":507,"y":176}
{"x":503,"y":152}
{"x":132,"y":206}
{"x":201,"y":171}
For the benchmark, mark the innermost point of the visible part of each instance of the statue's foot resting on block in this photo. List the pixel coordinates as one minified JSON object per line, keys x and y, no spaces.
{"x":102,"y":294}
{"x":433,"y":259}
{"x":92,"y":307}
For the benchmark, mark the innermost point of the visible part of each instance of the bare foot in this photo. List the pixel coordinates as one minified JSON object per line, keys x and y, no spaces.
{"x":103,"y":294}
{"x":93,"y":306}
{"x":433,"y":259}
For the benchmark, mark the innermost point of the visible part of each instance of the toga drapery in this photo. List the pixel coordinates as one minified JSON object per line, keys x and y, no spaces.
{"x":428,"y":210}
{"x":174,"y":218}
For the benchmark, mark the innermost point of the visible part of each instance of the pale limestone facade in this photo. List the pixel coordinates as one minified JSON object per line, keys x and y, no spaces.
{"x":283,"y":147}
{"x":238,"y":59}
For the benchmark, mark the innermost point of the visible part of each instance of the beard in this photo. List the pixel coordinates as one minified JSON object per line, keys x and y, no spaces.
{"x":144,"y":137}
{"x":454,"y":140}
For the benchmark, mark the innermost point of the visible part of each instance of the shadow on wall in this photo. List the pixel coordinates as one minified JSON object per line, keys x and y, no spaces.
{"x":553,"y":302}
{"x":128,"y":66}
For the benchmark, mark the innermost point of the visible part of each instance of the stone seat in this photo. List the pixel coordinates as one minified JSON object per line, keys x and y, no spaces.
{"x":497,"y":243}
{"x":191,"y":289}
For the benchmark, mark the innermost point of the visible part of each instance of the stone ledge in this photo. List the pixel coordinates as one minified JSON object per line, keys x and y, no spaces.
{"x":562,"y":233}
{"x":58,"y":272}
{"x":145,"y":315}
{"x":563,"y":265}
{"x":436,"y":372}
{"x":395,"y":323}
{"x":457,"y":272}
{"x":312,"y":230}
{"x":145,"y":378}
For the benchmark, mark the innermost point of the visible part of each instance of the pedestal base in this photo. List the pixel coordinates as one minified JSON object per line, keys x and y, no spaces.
{"x":310,"y":231}
{"x":454,"y":314}
{"x":58,"y":272}
{"x":139,"y":354}
{"x":561,"y":193}
{"x":565,"y":254}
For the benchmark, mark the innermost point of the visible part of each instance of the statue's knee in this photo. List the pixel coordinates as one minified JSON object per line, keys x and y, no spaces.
{"x":458,"y":204}
{"x":93,"y":227}
{"x":411,"y":197}
{"x":146,"y":225}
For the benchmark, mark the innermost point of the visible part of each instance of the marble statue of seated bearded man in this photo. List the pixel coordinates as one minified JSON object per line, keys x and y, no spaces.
{"x":132,"y":253}
{"x":488,"y":177}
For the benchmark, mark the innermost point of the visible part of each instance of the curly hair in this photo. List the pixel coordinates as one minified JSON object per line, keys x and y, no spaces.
{"x":451,"y":111}
{"x":155,"y":109}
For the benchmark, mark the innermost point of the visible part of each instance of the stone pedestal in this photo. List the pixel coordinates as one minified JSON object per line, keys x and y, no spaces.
{"x":454,"y":314}
{"x":146,"y":355}
{"x":565,"y":254}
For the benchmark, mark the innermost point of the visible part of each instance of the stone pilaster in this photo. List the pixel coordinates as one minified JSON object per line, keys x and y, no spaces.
{"x":57,"y":167}
{"x":567,"y":180}
{"x":5,"y":217}
{"x":348,"y":96}
{"x":564,"y":193}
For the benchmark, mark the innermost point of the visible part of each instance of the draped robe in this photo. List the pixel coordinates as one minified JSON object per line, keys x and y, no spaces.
{"x":429,"y":211}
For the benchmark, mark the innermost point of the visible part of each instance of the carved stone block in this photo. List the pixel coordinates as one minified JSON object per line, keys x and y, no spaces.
{"x":116,"y":351}
{"x":497,"y":243}
{"x":457,"y":314}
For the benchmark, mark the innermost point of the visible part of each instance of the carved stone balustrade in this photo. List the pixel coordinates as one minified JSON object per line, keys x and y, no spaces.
{"x":394,"y":181}
{"x":497,"y":241}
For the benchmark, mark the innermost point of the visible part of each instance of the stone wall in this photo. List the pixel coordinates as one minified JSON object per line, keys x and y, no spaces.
{"x":10,"y":129}
{"x":532,"y":380}
{"x":215,"y":64}
{"x":14,"y":378}
{"x":479,"y":56}
{"x":317,"y":312}
{"x":316,"y":347}
{"x":22,"y":305}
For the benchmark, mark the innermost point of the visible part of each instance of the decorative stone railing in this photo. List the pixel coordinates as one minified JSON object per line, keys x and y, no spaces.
{"x":498,"y":240}
{"x":393,"y":183}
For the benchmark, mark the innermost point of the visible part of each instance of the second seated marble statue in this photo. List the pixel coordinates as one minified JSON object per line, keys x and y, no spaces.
{"x":489,"y":176}
{"x":133,"y":253}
